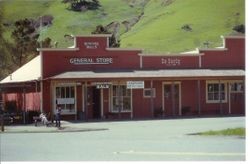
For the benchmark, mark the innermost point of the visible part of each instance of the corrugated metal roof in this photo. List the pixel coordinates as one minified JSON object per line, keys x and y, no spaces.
{"x":28,"y":72}
{"x":152,"y":74}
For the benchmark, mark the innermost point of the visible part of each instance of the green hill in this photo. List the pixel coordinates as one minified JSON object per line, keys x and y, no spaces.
{"x":160,"y":28}
{"x":153,"y":25}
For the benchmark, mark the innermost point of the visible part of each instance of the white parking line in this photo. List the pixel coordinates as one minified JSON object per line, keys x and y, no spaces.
{"x":180,"y":153}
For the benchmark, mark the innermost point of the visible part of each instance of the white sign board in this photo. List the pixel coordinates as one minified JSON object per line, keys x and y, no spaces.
{"x":135,"y":84}
{"x":102,"y":85}
{"x":65,"y":100}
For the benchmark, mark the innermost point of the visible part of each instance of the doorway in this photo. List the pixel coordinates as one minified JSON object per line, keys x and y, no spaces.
{"x":171,"y":98}
{"x":96,"y":99}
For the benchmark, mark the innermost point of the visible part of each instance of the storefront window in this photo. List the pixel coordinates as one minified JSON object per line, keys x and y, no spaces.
{"x":121,"y":98}
{"x":216,"y":92}
{"x":65,"y":98}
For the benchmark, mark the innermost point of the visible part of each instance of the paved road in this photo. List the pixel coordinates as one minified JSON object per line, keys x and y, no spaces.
{"x":157,"y":140}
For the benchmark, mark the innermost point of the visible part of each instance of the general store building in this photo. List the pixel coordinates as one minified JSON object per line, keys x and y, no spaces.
{"x":91,"y":80}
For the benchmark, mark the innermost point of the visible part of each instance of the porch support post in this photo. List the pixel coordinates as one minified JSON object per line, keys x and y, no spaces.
{"x":229,"y":97}
{"x":24,"y":105}
{"x":101,"y":102}
{"x":119,"y":100}
{"x":173,"y":98}
{"x":41,"y":96}
{"x":151,"y":98}
{"x":199,"y":96}
{"x":86,"y":100}
{"x":220,"y":97}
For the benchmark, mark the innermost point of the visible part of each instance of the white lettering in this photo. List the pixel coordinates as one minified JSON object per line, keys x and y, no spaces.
{"x":171,"y":62}
{"x":81,"y":61}
{"x":91,"y":45}
{"x":135,"y":84}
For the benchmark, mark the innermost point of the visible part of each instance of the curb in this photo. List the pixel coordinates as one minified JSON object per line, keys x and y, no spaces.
{"x":55,"y":131}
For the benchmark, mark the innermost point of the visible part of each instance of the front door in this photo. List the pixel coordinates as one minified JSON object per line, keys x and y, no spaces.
{"x":237,"y":103}
{"x":171,"y":99}
{"x":96,"y":103}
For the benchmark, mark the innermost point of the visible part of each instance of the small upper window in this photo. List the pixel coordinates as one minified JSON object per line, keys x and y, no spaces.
{"x":236,"y":87}
{"x":147,"y":92}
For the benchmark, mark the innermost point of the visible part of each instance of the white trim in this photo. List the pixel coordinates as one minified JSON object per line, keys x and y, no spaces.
{"x":94,"y":35}
{"x":223,"y":41}
{"x":123,"y":49}
{"x":163,"y":96}
{"x":75,"y":42}
{"x":141,"y":62}
{"x":200,"y":62}
{"x":107,"y":43}
{"x":172,"y":55}
{"x":58,"y":49}
{"x":213,"y":49}
{"x":234,"y":37}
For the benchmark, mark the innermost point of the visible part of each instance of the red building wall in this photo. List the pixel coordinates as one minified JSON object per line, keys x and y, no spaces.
{"x":176,"y":62}
{"x":56,"y":62}
{"x":233,"y":57}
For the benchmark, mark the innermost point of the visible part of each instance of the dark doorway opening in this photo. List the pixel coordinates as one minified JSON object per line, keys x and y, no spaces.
{"x":96,"y":103}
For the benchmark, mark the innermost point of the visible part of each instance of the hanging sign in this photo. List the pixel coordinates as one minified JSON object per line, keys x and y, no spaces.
{"x":65,"y":100}
{"x":102,"y":85}
{"x":135,"y":84}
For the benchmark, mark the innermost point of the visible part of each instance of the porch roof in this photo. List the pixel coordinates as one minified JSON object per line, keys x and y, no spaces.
{"x":170,"y":73}
{"x":29,"y":72}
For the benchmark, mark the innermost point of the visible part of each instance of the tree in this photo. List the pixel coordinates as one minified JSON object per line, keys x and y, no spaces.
{"x":113,"y":41}
{"x":46,"y":43}
{"x":239,"y":28}
{"x":25,"y":40}
{"x":5,"y":64}
{"x":80,"y":5}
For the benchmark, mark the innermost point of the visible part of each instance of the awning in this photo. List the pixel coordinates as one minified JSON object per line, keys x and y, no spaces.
{"x":177,"y":73}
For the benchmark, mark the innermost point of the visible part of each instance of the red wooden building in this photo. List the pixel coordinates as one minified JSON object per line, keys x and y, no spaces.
{"x":93,"y":81}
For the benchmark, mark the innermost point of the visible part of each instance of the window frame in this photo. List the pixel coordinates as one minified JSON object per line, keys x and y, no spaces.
{"x":122,"y":97}
{"x":216,"y":100}
{"x":71,"y":97}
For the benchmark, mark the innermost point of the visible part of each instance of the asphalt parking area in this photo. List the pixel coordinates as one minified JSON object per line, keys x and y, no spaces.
{"x":151,"y":140}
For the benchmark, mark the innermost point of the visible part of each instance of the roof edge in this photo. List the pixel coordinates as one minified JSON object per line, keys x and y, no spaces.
{"x":58,"y":49}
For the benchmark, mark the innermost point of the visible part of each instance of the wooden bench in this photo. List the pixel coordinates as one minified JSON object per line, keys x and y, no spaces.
{"x":110,"y":115}
{"x":36,"y":119}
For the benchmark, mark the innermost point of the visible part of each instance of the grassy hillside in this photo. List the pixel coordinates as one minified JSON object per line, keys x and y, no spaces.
{"x":158,"y":30}
{"x":66,"y":21}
